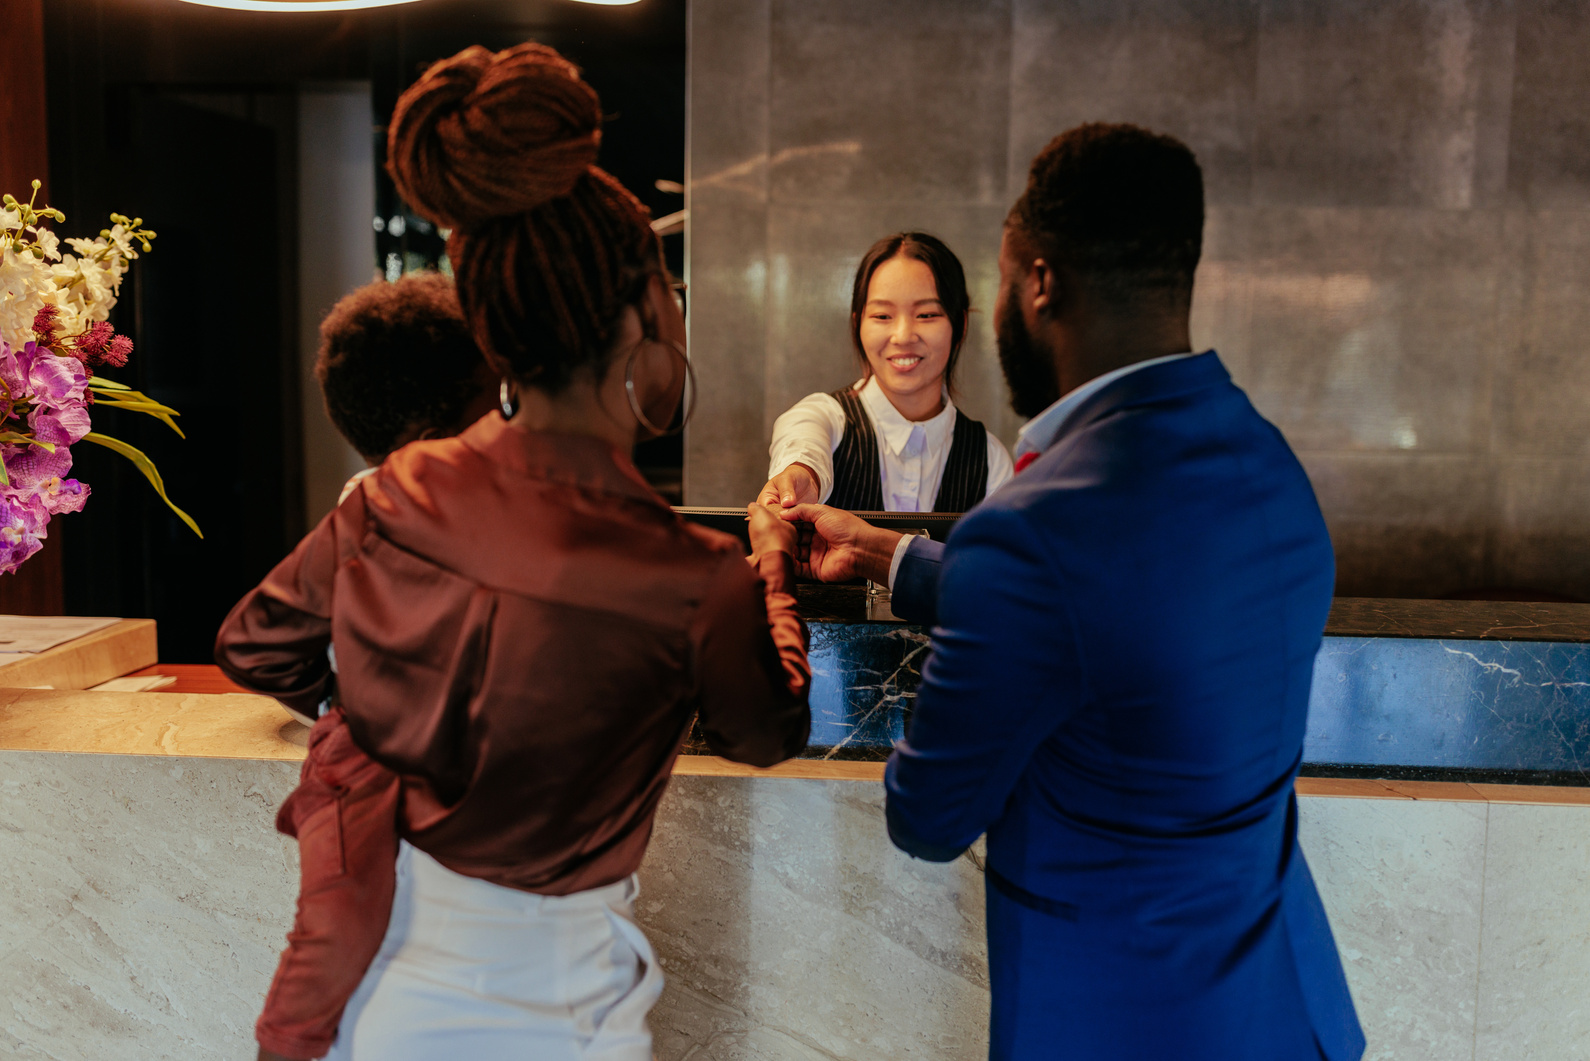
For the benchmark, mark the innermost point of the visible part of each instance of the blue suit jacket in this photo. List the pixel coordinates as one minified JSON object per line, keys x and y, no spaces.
{"x":1117,"y":690}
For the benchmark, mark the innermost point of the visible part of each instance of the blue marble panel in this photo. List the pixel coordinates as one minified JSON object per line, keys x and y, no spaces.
{"x":1454,"y":708}
{"x":864,"y":680}
{"x":1472,"y":705}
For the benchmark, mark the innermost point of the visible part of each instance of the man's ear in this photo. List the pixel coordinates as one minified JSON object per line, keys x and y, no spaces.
{"x":1042,"y":286}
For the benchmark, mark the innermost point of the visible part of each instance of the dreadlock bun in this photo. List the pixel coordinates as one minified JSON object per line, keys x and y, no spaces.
{"x":482,"y":135}
{"x":547,"y":248}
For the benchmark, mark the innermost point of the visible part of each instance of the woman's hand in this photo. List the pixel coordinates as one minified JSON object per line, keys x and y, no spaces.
{"x":769,"y":533}
{"x":841,"y":545}
{"x":795,"y":485}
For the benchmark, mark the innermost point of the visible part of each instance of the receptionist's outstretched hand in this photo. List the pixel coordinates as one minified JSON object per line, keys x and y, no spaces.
{"x":795,"y":485}
{"x":841,"y":545}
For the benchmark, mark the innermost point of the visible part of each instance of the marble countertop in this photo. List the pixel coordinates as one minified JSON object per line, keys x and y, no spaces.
{"x":201,"y":725}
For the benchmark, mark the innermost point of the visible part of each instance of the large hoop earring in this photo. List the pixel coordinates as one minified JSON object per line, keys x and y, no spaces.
{"x":508,"y":398}
{"x":689,"y":396}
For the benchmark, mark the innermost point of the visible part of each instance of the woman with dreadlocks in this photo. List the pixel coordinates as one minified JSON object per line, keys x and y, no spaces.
{"x":523,"y":630}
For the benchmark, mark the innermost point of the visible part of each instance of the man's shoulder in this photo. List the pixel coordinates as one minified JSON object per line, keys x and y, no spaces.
{"x":1013,"y":514}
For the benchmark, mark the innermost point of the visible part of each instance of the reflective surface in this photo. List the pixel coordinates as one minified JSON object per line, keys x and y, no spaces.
{"x":1397,"y":246}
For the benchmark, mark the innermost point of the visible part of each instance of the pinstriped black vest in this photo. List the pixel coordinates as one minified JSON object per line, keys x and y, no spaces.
{"x":858,"y":475}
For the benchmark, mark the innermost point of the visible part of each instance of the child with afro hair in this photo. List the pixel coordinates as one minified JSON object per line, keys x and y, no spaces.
{"x":397,"y":363}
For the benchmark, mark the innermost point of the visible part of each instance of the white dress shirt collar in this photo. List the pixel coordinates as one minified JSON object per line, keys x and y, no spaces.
{"x":902,"y":437}
{"x":1038,"y":434}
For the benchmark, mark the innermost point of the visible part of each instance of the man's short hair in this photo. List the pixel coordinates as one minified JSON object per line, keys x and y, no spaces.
{"x":1122,"y":206}
{"x":397,"y":356}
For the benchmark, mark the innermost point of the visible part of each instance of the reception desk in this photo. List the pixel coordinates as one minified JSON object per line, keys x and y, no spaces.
{"x":146,"y":894}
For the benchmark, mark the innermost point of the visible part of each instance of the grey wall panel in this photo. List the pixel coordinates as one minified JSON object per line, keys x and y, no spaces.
{"x":1382,"y":102}
{"x":890,"y":100}
{"x":1181,"y":67}
{"x":1373,"y":329}
{"x":1549,"y":152}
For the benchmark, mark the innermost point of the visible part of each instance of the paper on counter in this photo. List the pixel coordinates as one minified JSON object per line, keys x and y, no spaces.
{"x":36,"y":633}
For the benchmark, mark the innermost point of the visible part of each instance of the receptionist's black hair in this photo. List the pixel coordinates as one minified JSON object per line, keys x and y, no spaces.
{"x":948,"y":277}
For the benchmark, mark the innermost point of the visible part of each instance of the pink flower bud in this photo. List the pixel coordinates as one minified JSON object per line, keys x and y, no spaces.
{"x":116,"y":353}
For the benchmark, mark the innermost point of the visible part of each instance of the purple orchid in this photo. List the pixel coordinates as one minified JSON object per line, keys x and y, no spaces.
{"x":60,"y":496}
{"x":55,"y":386}
{"x":22,"y":520}
{"x":51,"y":390}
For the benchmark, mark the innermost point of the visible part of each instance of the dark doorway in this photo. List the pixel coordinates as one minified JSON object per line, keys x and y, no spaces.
{"x":206,"y":312}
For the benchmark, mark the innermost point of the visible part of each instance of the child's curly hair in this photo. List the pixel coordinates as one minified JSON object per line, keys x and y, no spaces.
{"x":394,"y":357}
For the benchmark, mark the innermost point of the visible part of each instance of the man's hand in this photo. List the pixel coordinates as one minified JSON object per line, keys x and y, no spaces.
{"x":842,"y":545}
{"x":768,"y":533}
{"x":795,"y":485}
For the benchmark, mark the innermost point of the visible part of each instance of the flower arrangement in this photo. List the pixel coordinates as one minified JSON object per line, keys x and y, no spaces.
{"x":54,"y":333}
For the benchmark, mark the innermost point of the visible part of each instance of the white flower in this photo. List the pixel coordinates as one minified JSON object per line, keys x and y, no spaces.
{"x":83,"y":286}
{"x":25,"y":283}
{"x":48,"y":242}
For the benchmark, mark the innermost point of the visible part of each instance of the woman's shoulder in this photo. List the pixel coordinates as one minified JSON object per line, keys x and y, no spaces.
{"x":426,"y":466}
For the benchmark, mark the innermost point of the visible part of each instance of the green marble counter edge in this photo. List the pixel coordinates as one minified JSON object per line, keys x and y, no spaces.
{"x":240,"y":726}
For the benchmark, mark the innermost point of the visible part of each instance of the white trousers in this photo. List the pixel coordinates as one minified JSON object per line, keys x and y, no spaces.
{"x":473,"y":970}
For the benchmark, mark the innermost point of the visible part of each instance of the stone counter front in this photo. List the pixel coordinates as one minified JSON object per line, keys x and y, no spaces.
{"x":144,"y":898}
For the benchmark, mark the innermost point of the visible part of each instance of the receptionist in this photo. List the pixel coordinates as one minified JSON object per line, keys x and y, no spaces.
{"x":893,"y":441}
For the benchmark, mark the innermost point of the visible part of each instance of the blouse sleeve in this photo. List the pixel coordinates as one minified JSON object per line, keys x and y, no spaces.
{"x":274,"y":641}
{"x":753,"y":677}
{"x":808,"y":433}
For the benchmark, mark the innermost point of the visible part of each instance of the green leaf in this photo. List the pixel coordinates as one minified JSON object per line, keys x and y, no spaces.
{"x":142,"y":462}
{"x":122,"y":396}
{"x":160,"y":412}
{"x":25,"y":440}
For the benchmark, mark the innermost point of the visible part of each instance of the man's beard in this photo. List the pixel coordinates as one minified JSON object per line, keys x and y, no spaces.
{"x":1029,"y":371}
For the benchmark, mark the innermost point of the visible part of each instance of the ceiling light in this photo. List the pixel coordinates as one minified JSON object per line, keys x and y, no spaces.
{"x":297,"y":5}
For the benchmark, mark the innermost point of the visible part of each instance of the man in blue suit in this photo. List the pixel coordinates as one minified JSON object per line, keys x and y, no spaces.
{"x":1123,"y":644}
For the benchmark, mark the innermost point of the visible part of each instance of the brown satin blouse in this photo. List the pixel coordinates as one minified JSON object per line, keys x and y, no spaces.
{"x":524,"y":631}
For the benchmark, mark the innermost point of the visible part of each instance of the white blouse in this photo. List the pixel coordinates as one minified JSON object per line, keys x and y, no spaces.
{"x":913,"y":453}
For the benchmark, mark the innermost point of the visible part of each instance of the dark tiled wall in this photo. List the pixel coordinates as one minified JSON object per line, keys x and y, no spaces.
{"x":1396,"y":266}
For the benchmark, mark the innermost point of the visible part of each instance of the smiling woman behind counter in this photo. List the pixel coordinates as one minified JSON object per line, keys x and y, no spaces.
{"x":893,"y":441}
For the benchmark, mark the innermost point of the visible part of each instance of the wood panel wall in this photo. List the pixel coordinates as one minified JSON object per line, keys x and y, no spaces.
{"x":36,"y":588}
